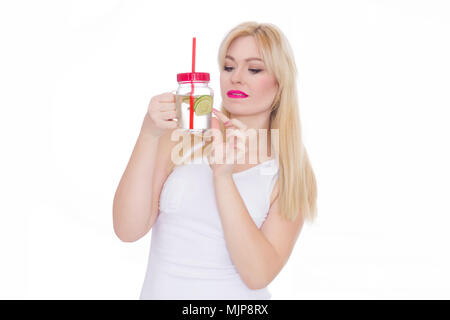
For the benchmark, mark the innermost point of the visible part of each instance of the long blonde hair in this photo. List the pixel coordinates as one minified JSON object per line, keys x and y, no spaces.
{"x":296,"y":180}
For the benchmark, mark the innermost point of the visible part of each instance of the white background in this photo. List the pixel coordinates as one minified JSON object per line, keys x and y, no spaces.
{"x":75,"y":81}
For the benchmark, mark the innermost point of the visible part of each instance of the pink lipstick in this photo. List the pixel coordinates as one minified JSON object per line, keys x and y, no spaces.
{"x":236,"y":94}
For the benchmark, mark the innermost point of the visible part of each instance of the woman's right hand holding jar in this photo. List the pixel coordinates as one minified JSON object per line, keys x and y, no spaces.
{"x":161,"y":115}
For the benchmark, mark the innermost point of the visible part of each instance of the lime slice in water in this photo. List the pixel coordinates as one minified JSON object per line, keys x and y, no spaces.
{"x":203,"y":105}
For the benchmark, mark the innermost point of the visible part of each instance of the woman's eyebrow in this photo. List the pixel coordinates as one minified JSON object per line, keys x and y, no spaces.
{"x":248,"y":59}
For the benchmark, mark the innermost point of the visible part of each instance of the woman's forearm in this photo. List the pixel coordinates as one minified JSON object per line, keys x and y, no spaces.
{"x":133,"y":197}
{"x":252,"y":254}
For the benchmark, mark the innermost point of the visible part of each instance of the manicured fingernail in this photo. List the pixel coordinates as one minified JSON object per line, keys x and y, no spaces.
{"x":226,"y":122}
{"x":215,"y":110}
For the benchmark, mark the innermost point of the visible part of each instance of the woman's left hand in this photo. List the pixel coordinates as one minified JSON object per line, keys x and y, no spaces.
{"x":225,"y":155}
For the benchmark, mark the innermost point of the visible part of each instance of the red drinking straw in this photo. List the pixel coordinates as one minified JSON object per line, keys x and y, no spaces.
{"x":193,"y":54}
{"x":191,"y":100}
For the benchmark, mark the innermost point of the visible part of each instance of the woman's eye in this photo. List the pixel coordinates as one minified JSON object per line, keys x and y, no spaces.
{"x":228,"y":69}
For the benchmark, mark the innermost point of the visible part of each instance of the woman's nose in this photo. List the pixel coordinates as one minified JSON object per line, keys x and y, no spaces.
{"x":236,"y":77}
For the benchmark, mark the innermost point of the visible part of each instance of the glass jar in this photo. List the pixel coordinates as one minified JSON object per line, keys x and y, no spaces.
{"x":193,"y":89}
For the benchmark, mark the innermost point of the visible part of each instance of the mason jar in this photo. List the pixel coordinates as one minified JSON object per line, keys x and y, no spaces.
{"x":193,"y":90}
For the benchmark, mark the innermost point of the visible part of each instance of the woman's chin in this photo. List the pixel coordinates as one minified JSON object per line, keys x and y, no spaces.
{"x":236,"y":100}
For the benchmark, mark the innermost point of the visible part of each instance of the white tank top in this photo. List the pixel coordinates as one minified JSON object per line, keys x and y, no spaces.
{"x":188,"y":256}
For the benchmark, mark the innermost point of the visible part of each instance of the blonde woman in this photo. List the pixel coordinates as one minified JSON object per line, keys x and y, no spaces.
{"x":222,"y":229}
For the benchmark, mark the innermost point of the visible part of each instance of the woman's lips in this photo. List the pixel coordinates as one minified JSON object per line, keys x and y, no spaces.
{"x":235,"y":94}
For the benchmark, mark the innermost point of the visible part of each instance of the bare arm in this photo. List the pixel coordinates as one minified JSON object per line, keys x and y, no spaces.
{"x":258,"y":254}
{"x":132,"y":201}
{"x":134,"y":207}
{"x":252,"y":254}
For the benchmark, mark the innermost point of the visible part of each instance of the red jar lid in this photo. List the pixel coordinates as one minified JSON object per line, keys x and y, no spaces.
{"x":193,"y":76}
